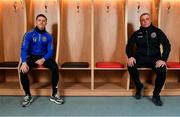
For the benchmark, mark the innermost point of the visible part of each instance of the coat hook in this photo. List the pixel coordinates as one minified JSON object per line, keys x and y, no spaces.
{"x":107,"y":7}
{"x":15,"y":6}
{"x":78,"y":6}
{"x":157,"y":6}
{"x":46,"y":6}
{"x":138,"y":7}
{"x":22,"y":4}
{"x":168,"y":7}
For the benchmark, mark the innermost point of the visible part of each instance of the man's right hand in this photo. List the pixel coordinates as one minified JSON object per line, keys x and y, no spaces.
{"x":24,"y":68}
{"x":131,"y":61}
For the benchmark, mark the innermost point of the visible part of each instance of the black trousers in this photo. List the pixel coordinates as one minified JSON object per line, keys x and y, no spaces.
{"x":150,"y":63}
{"x":50,"y":63}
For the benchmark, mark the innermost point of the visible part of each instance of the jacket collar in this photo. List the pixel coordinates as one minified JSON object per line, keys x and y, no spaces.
{"x":146,"y":29}
{"x":39,"y":31}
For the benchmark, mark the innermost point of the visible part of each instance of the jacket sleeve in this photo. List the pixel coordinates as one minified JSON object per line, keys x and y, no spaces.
{"x":50,"y":49}
{"x":130,"y":45}
{"x":166,"y":45}
{"x":25,"y":46}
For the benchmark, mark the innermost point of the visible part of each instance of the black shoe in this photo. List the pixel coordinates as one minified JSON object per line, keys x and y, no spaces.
{"x":157,"y":101}
{"x":139,"y":93}
{"x":27,"y":100}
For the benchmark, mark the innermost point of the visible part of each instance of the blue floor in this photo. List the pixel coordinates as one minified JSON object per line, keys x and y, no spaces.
{"x":90,"y":106}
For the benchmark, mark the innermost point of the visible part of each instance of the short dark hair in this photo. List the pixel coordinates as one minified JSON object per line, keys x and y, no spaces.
{"x":41,"y":15}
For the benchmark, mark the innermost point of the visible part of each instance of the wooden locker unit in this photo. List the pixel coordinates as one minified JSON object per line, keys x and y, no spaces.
{"x":86,"y":31}
{"x":134,"y":9}
{"x":75,"y":46}
{"x":169,"y":23}
{"x":109,"y":46}
{"x":12,"y":28}
{"x":40,"y":78}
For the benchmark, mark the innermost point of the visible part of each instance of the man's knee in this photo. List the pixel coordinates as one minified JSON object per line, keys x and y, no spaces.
{"x":132,"y":68}
{"x":161,"y":70}
{"x":54,"y":67}
{"x":23,"y":74}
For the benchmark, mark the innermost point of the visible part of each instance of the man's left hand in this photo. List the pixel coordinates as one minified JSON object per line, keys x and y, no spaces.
{"x":160,"y":63}
{"x":40,"y":61}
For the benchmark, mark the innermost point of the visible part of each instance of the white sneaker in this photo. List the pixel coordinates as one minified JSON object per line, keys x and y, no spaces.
{"x":56,"y":99}
{"x":27,"y":100}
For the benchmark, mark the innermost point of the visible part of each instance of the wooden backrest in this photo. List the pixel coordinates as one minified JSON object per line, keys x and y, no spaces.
{"x":109,"y":30}
{"x":12,"y":28}
{"x":75,"y":42}
{"x":170,"y":22}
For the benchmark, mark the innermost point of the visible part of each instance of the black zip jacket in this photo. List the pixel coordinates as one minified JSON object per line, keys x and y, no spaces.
{"x":146,"y":43}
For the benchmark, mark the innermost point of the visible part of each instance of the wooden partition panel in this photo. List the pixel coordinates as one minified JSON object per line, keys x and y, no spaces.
{"x":75,"y":43}
{"x":12,"y":28}
{"x":135,"y":8}
{"x":109,"y":30}
{"x":1,"y":39}
{"x":169,"y":23}
{"x":155,"y":11}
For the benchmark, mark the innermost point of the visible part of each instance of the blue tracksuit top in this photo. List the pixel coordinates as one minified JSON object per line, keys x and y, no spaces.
{"x":35,"y":43}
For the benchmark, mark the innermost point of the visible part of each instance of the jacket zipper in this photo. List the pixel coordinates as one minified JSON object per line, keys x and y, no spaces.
{"x":39,"y":41}
{"x":39,"y":37}
{"x":147,"y":43}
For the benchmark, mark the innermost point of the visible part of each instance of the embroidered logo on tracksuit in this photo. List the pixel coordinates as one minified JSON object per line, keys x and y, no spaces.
{"x":153,"y":35}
